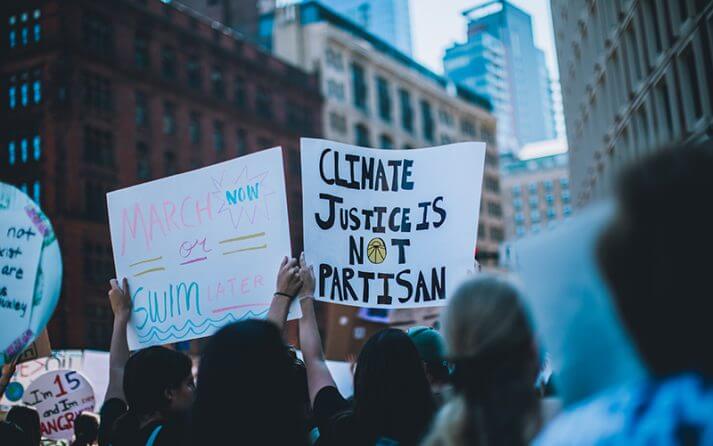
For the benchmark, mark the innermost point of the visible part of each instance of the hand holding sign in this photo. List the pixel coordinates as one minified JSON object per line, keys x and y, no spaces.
{"x":120,"y":299}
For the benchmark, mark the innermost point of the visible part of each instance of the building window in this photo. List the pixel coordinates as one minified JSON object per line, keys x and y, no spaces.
{"x":689,"y":81}
{"x":566,"y":211}
{"x":239,"y":91}
{"x":168,"y":62}
{"x":497,"y":234}
{"x":564,"y":183}
{"x":22,"y":23}
{"x":169,"y":118}
{"x":494,"y":209}
{"x":445,"y":117}
{"x":193,"y":73}
{"x":427,"y":118}
{"x":406,"y":110}
{"x":23,"y":150}
{"x":36,"y":147}
{"x":263,"y":102}
{"x":98,"y":147}
{"x":359,"y":87}
{"x":548,"y":185}
{"x":241,"y":141}
{"x":362,"y":135}
{"x":334,"y":59}
{"x":338,"y":122}
{"x":384,"y":96}
{"x":335,"y":90}
{"x":141,"y":112}
{"x":492,"y":184}
{"x":95,"y":200}
{"x":194,"y":128}
{"x":169,"y":163}
{"x":11,"y":154}
{"x":218,"y":137}
{"x":98,"y":35}
{"x":551,"y":213}
{"x":20,"y":85}
{"x":141,"y":52}
{"x":98,"y":93}
{"x":535,"y":216}
{"x":386,"y":142}
{"x":216,"y":82}
{"x":36,"y":192}
{"x":467,"y":127}
{"x":143,"y":163}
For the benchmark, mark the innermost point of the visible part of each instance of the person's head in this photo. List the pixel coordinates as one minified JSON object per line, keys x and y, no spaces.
{"x":28,"y":420}
{"x":11,"y":433}
{"x":158,"y":384}
{"x":86,"y":430}
{"x":491,"y":345}
{"x":432,"y":349}
{"x":655,"y":257}
{"x":249,"y":388}
{"x":392,"y":396}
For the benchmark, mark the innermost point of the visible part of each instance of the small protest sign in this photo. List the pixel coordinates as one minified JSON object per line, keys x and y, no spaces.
{"x":202,"y":248}
{"x":59,"y":397}
{"x":390,"y":228}
{"x":20,"y":247}
{"x":39,"y":348}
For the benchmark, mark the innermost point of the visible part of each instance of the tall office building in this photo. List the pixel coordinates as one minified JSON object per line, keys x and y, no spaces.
{"x":389,"y":20}
{"x":100,"y":95}
{"x":509,"y":69}
{"x":636,"y":75}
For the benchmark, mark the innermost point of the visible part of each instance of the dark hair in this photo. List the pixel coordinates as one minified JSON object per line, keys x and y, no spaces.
{"x":438,"y":370}
{"x":247,"y":389}
{"x":392,"y":396}
{"x":147,"y":375}
{"x":11,"y":433}
{"x":655,"y":256}
{"x":86,"y":430}
{"x":28,"y":420}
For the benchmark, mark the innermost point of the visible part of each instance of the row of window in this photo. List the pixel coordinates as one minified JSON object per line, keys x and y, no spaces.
{"x":32,"y":190}
{"x":547,"y":185}
{"x":496,"y":233}
{"x":24,"y":29}
{"x":534,"y":200}
{"x":24,"y":150}
{"x":24,"y":89}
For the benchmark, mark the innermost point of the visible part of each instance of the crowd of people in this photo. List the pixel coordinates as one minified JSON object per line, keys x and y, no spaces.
{"x":474,"y":385}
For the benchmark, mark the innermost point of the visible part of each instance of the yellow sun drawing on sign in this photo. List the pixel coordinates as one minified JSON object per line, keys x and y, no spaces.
{"x":376,"y":250}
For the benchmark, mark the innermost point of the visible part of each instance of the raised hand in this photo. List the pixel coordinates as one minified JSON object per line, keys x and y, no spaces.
{"x":307,"y":276}
{"x":120,"y":299}
{"x":289,"y":281}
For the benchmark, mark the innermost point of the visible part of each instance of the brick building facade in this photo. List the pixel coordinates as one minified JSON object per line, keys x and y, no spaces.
{"x":100,"y":95}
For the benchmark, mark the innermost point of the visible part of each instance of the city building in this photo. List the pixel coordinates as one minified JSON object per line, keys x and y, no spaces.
{"x":535,"y":188}
{"x":100,"y":95}
{"x":242,"y":16}
{"x":635,"y":75}
{"x":500,"y":61}
{"x":389,"y":20}
{"x":377,"y":96}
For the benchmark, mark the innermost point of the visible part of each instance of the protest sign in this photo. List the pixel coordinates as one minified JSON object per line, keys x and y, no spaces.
{"x":572,"y":307}
{"x":390,"y":228}
{"x":93,"y":365}
{"x":20,"y":247}
{"x":45,"y":287}
{"x":38,"y":349}
{"x":59,"y":397}
{"x":202,"y":248}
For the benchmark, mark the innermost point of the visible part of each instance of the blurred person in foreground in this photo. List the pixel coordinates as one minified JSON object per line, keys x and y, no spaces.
{"x":655,"y":257}
{"x":28,"y":420}
{"x":12,"y":434}
{"x":86,"y":430}
{"x":491,"y":345}
{"x":432,"y":350}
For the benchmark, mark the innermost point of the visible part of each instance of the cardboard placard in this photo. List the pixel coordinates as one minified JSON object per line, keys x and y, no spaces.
{"x":202,"y":248}
{"x":390,"y":228}
{"x":20,"y":247}
{"x":59,"y":397}
{"x":39,"y":348}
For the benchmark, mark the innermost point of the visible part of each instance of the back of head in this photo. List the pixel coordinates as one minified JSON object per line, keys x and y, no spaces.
{"x":148,"y":374}
{"x":248,"y":389}
{"x":86,"y":430}
{"x":12,"y":434}
{"x":28,"y":420}
{"x":392,"y":396}
{"x":655,"y":256}
{"x":491,"y":344}
{"x":431,"y":348}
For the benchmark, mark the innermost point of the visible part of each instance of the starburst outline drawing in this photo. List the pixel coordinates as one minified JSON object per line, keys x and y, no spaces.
{"x":237,"y":211}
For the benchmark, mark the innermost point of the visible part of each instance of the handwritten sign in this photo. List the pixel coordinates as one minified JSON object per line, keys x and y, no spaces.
{"x":20,"y":247}
{"x":202,"y":248}
{"x":390,"y":228}
{"x":59,"y":397}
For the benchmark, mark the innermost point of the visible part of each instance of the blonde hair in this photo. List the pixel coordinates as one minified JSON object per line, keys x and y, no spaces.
{"x":490,"y":341}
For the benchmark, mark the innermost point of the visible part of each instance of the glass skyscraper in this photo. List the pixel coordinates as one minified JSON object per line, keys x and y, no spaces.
{"x":500,"y":61}
{"x":387,"y":19}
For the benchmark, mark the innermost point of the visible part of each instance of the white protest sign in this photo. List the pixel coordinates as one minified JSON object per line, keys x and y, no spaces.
{"x":20,"y":247}
{"x":390,"y":228}
{"x":201,"y":249}
{"x":59,"y":397}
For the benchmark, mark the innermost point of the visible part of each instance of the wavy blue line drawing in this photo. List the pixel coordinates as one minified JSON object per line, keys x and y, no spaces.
{"x":144,"y":339}
{"x":186,"y":324}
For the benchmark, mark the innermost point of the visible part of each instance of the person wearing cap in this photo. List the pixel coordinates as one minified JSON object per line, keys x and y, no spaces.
{"x":432,"y":350}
